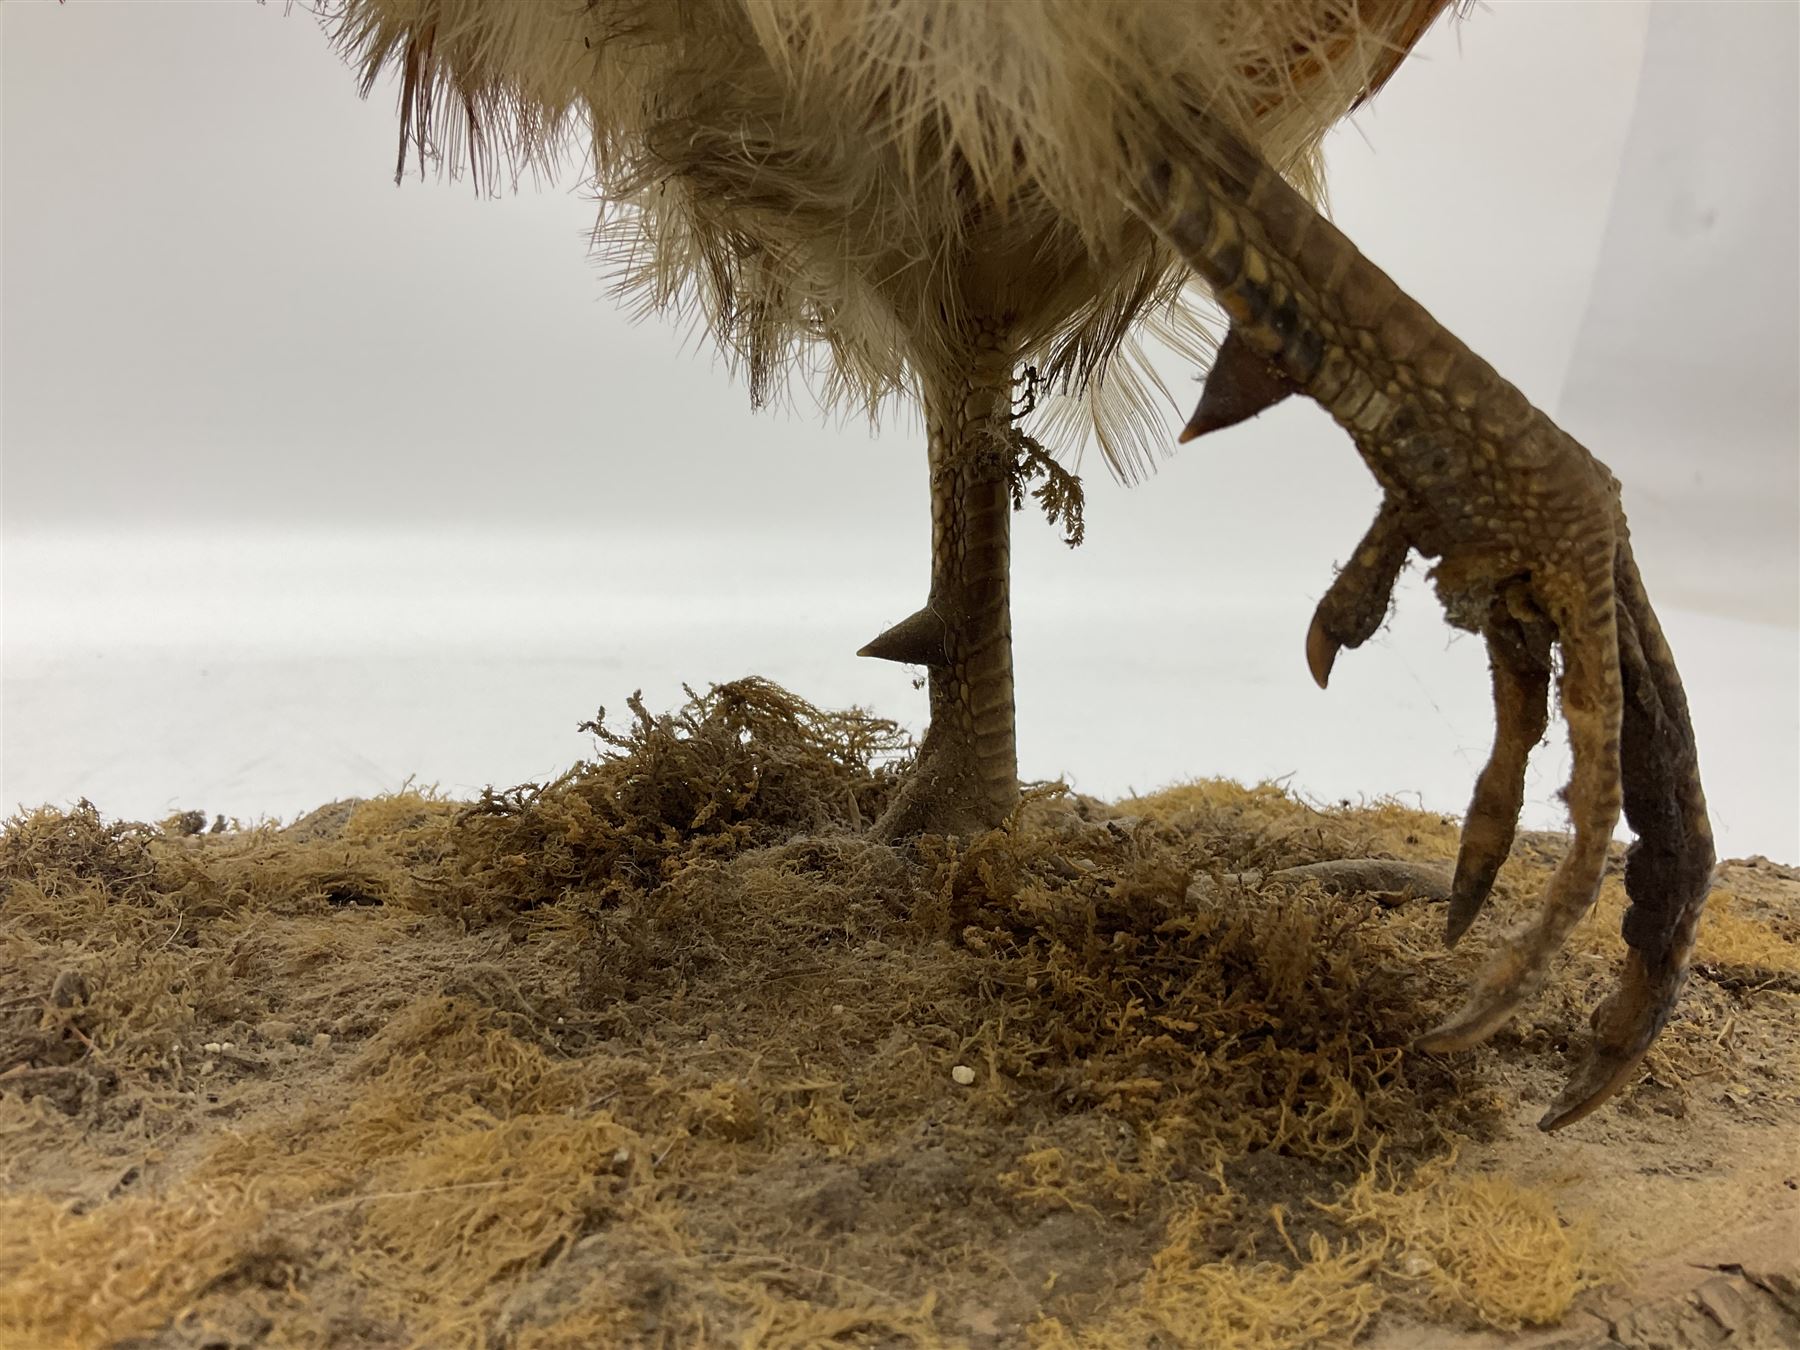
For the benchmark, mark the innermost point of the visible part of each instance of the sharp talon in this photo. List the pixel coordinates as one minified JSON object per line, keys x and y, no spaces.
{"x":1486,"y":839}
{"x":1625,"y":1025}
{"x":1589,"y":1088}
{"x":1241,"y":383}
{"x":1321,"y":653}
{"x":1466,"y":905}
{"x":1357,"y":600}
{"x":1478,"y":1020}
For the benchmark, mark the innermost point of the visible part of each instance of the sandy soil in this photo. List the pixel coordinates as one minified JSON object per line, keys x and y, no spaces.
{"x":669,"y":1053}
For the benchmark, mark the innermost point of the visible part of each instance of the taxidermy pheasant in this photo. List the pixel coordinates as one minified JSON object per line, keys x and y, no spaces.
{"x":933,"y":197}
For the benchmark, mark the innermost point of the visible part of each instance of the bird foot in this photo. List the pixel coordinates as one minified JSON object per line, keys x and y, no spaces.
{"x":1629,"y":732}
{"x":1533,"y":553}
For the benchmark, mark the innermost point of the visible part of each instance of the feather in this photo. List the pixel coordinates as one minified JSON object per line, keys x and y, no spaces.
{"x":834,"y":189}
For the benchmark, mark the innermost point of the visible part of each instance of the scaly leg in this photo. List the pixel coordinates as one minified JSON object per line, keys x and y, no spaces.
{"x":1532,"y":548}
{"x":966,"y":778}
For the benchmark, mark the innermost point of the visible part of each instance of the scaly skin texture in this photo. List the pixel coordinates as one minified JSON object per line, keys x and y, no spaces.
{"x":967,"y":774}
{"x":1532,"y":550}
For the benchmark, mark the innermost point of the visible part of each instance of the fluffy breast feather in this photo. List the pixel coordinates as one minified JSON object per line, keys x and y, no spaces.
{"x":841,"y":187}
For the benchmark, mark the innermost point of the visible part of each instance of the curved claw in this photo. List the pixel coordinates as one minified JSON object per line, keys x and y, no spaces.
{"x":1625,"y":1025}
{"x":1321,"y":652}
{"x":1467,"y":899}
{"x":1358,"y":598}
{"x":1495,"y":998}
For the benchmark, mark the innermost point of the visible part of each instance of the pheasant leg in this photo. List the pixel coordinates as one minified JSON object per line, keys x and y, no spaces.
{"x":966,"y":778}
{"x":1531,"y":547}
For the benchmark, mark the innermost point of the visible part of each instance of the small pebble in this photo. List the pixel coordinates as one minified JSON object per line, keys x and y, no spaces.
{"x":837,"y":1010}
{"x":963,"y":1075}
{"x":213,"y":1047}
{"x":322,"y":1041}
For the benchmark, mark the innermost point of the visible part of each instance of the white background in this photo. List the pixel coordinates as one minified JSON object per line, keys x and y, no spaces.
{"x":312,"y":484}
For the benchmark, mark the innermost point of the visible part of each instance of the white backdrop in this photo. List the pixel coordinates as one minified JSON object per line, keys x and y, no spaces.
{"x":311,"y":484}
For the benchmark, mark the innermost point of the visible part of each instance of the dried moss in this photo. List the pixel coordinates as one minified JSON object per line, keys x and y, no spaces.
{"x":1477,"y":1249}
{"x":124,"y":1270}
{"x":745,"y":765}
{"x":1737,"y":939}
{"x":661,"y":1053}
{"x":1483,"y":1247}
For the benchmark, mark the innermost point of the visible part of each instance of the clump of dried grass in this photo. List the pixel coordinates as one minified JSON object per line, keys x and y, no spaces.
{"x":744,"y":765}
{"x":1225,"y":1017}
{"x":65,"y":853}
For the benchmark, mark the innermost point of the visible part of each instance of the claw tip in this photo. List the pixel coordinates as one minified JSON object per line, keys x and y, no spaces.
{"x":1460,"y":919}
{"x":1321,"y":654}
{"x":1581,"y":1098}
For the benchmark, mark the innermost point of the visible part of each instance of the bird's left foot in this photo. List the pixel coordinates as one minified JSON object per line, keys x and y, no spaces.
{"x":1629,"y":732}
{"x":1532,"y":552}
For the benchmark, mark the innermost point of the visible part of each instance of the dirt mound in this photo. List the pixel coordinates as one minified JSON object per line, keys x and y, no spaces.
{"x":668,"y":1052}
